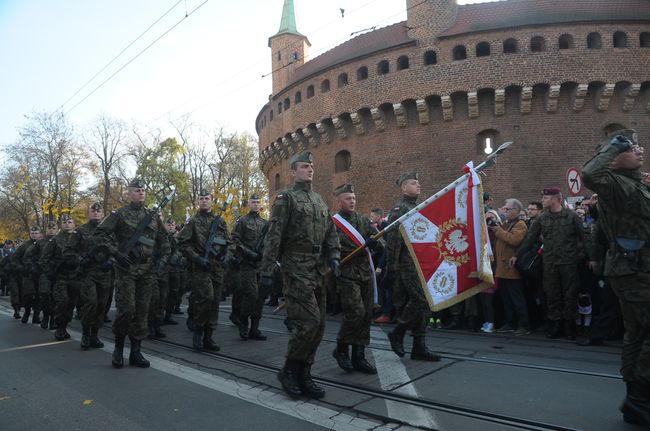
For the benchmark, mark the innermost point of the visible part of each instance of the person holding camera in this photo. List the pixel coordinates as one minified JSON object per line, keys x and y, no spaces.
{"x":508,"y":236}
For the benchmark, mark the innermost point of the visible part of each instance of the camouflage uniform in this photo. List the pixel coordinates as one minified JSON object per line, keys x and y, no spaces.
{"x":66,"y":287}
{"x":206,"y":280}
{"x":31,"y":275}
{"x":94,"y":279}
{"x":133,"y":284}
{"x":45,"y":285}
{"x":355,"y":288}
{"x":408,"y":294}
{"x":24,"y":289}
{"x":165,"y":291}
{"x":624,"y":215}
{"x":564,"y":246}
{"x":303,"y":239}
{"x":246,"y":235}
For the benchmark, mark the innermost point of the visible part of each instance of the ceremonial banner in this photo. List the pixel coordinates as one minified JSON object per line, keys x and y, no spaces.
{"x":449,"y":244}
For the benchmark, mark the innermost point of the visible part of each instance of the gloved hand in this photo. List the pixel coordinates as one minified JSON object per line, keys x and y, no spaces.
{"x":266,"y":286}
{"x":621,"y":143}
{"x":123,"y":259}
{"x":202,"y":262}
{"x":335,"y":266}
{"x":371,"y":243}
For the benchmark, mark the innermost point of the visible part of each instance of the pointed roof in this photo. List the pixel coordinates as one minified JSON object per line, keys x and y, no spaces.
{"x":288,"y":22}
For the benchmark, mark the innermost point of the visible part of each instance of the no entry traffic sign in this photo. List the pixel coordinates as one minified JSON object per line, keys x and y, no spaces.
{"x":574,"y":181}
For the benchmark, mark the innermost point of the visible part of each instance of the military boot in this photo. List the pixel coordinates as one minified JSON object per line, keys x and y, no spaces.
{"x":61,"y":334}
{"x":85,"y":338}
{"x":288,"y":377}
{"x":52,"y":324}
{"x":16,"y":312}
{"x":570,"y":329}
{"x":342,"y":355}
{"x":135,"y":357}
{"x":254,"y":333}
{"x":45,"y":320}
{"x":636,"y":406}
{"x":243,"y":328}
{"x":234,"y":318}
{"x":419,"y":352}
{"x":157,"y":332}
{"x":190,"y":324}
{"x":554,"y":329}
{"x":208,"y":342}
{"x":25,"y":318}
{"x":307,"y":385}
{"x":168,"y":318}
{"x":396,"y":338}
{"x":36,"y":317}
{"x":95,"y":342}
{"x":197,"y":339}
{"x":359,"y":361}
{"x":118,"y":353}
{"x":273,"y":301}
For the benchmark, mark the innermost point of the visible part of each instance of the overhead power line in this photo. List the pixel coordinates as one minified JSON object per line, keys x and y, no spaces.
{"x":120,"y":54}
{"x":187,"y":15}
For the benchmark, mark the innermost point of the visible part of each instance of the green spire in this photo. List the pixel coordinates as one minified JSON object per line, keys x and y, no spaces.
{"x":288,"y":23}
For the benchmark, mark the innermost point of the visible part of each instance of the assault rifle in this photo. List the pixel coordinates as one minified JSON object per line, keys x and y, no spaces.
{"x":212,"y":238}
{"x":126,"y":250}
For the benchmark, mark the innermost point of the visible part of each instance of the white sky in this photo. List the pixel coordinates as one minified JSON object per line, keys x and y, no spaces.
{"x":210,"y":65}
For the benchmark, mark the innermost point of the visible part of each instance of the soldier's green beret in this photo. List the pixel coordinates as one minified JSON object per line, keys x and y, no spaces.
{"x":137,"y":183}
{"x":97,"y":206}
{"x":345,"y":188}
{"x":303,"y":156}
{"x":205,"y":192}
{"x":254,"y":196}
{"x":51,"y":225}
{"x":629,"y":134}
{"x":66,"y":217}
{"x":406,"y":176}
{"x":35,"y":229}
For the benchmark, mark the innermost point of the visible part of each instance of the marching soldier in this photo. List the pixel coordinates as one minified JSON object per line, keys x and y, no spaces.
{"x":94,"y":277}
{"x":356,"y":285}
{"x":172,"y":276}
{"x":301,"y":239}
{"x":31,"y":273}
{"x":64,"y":271}
{"x":24,"y":290}
{"x":246,"y":237}
{"x":408,"y":295}
{"x":624,"y":216}
{"x":132,"y":224}
{"x":45,"y":299}
{"x":204,"y":242}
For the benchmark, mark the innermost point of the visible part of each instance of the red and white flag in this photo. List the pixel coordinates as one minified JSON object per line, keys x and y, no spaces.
{"x":449,"y":244}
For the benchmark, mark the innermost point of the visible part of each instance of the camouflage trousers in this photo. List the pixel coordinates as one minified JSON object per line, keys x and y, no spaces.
{"x":205,"y":297}
{"x":415,"y":311}
{"x":306,"y":300}
{"x":132,"y":296}
{"x":356,"y":302}
{"x":159,"y":295}
{"x":633,"y":292}
{"x":66,"y":295}
{"x":14,"y":291}
{"x":45,"y":298}
{"x":561,"y":288}
{"x":93,"y":297}
{"x":175,"y":290}
{"x":251,"y":302}
{"x":29,"y":291}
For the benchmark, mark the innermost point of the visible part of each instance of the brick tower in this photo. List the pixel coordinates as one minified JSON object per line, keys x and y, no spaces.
{"x":288,"y":48}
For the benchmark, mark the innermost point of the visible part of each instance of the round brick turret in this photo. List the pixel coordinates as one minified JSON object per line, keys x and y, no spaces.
{"x":430,"y":93}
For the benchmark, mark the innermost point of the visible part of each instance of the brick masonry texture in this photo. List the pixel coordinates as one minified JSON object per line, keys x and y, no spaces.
{"x":555,"y":105}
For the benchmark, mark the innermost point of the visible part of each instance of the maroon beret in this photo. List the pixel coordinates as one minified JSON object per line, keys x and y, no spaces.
{"x":551,"y":191}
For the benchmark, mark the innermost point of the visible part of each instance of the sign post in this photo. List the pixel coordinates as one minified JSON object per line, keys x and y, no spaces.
{"x":574,"y":181}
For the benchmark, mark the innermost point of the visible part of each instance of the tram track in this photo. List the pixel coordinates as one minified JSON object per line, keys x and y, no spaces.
{"x":435,"y":406}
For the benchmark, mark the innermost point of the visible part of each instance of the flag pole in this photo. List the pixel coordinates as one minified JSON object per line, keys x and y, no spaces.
{"x":491,"y":160}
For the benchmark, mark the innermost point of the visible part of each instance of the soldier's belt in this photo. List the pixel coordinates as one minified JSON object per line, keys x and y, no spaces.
{"x":304,"y":248}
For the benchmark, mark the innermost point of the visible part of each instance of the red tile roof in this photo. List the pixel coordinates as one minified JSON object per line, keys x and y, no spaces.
{"x":516,"y":13}
{"x":364,"y":44}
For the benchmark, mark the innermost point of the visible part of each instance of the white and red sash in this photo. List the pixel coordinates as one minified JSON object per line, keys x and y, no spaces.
{"x":358,"y":240}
